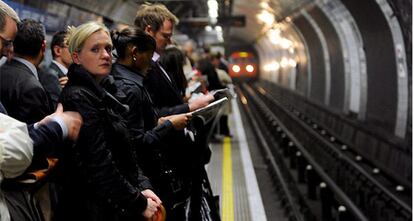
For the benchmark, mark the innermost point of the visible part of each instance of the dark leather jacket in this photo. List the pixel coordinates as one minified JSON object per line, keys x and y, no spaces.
{"x":160,"y":159}
{"x":101,"y":178}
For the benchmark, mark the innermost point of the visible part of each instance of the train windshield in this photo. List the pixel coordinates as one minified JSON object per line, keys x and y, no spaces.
{"x":242,"y":60}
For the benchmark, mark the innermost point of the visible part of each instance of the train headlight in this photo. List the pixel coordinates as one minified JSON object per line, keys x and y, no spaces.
{"x":249,"y":68}
{"x":236,"y":68}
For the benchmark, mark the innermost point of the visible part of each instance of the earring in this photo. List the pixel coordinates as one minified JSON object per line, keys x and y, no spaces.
{"x":134,"y":58}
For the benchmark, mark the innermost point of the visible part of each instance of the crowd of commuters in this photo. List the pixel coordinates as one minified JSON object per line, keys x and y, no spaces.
{"x":116,"y":126}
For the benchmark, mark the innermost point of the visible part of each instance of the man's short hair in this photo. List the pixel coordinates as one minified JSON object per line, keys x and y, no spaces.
{"x":6,"y":11}
{"x":153,"y":15}
{"x":58,"y":40}
{"x":29,"y":38}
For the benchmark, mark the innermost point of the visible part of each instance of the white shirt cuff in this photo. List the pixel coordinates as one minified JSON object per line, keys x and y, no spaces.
{"x":62,"y":125}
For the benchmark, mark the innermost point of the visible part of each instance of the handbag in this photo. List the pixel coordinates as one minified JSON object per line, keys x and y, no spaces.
{"x":202,"y":205}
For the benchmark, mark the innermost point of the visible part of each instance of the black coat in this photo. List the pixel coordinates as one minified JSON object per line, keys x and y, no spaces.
{"x":164,"y":93}
{"x":157,"y":152}
{"x":22,"y":94}
{"x":189,"y":156}
{"x":101,"y":178}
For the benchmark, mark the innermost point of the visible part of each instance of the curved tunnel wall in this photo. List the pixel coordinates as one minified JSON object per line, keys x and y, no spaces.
{"x":381,"y":68}
{"x":303,"y":67}
{"x":317,"y":75}
{"x":351,"y":47}
{"x":331,"y":77}
{"x":336,"y":96}
{"x":365,"y":57}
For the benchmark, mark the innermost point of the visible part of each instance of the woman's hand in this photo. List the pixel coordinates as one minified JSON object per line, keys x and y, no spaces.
{"x":149,"y":194}
{"x":179,"y":121}
{"x":152,"y":207}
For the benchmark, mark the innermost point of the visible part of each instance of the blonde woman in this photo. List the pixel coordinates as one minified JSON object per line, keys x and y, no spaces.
{"x":101,"y":179}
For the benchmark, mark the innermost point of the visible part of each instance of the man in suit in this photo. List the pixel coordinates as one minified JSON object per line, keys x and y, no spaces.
{"x":158,"y":21}
{"x":21,"y":93}
{"x":54,"y":77}
{"x":47,"y":133}
{"x":61,"y":57}
{"x":51,"y":129}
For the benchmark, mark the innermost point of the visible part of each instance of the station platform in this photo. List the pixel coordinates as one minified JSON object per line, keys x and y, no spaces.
{"x":232,"y":174}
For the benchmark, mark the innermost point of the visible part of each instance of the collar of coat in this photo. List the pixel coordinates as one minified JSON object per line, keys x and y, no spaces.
{"x":122,"y":71}
{"x":79,"y":76}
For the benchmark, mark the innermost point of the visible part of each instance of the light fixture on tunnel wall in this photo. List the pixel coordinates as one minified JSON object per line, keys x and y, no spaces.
{"x":219,"y":31}
{"x":273,"y":66}
{"x":285,"y":43}
{"x":212,"y":10}
{"x":266,"y":17}
{"x":292,"y":62}
{"x":274,"y":36}
{"x":284,"y":62}
{"x":288,"y":19}
{"x":264,"y":5}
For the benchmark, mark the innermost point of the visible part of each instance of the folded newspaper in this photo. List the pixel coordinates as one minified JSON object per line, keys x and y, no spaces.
{"x":194,"y":88}
{"x":220,"y":93}
{"x":210,"y":111}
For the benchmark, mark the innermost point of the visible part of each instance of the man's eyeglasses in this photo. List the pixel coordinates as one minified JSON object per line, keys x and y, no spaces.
{"x":6,"y":43}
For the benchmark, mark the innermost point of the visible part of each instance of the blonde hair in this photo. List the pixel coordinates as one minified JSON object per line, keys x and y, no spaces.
{"x":153,"y":15}
{"x":7,"y":11}
{"x":76,"y":36}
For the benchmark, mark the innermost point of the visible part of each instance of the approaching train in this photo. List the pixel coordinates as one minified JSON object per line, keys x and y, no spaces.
{"x":243,"y":65}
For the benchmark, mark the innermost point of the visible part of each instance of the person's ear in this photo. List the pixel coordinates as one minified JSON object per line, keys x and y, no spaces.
{"x":44,"y":46}
{"x":57,"y":50}
{"x":75,"y":58}
{"x":149,"y":30}
{"x":134,"y":50}
{"x":134,"y":53}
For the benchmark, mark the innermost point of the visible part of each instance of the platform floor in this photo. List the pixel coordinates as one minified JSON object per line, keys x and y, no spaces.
{"x":233,"y":176}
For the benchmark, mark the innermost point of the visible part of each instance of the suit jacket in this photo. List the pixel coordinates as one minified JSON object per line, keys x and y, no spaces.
{"x":164,"y":93}
{"x":22,"y":94}
{"x":55,"y":70}
{"x":49,"y":78}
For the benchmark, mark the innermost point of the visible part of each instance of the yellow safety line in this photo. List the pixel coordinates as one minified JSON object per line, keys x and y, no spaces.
{"x":227,"y":209}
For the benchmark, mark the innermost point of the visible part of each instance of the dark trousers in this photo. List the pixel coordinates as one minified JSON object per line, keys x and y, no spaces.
{"x":224,"y":126}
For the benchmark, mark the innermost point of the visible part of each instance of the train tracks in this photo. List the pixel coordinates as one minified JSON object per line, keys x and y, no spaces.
{"x":318,"y":177}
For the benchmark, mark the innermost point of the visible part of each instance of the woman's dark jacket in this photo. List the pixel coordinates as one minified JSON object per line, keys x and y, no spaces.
{"x":156,"y":153}
{"x":101,"y":179}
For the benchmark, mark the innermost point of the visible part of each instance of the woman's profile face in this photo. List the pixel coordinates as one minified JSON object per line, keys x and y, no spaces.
{"x":95,"y":55}
{"x":143,"y":61}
